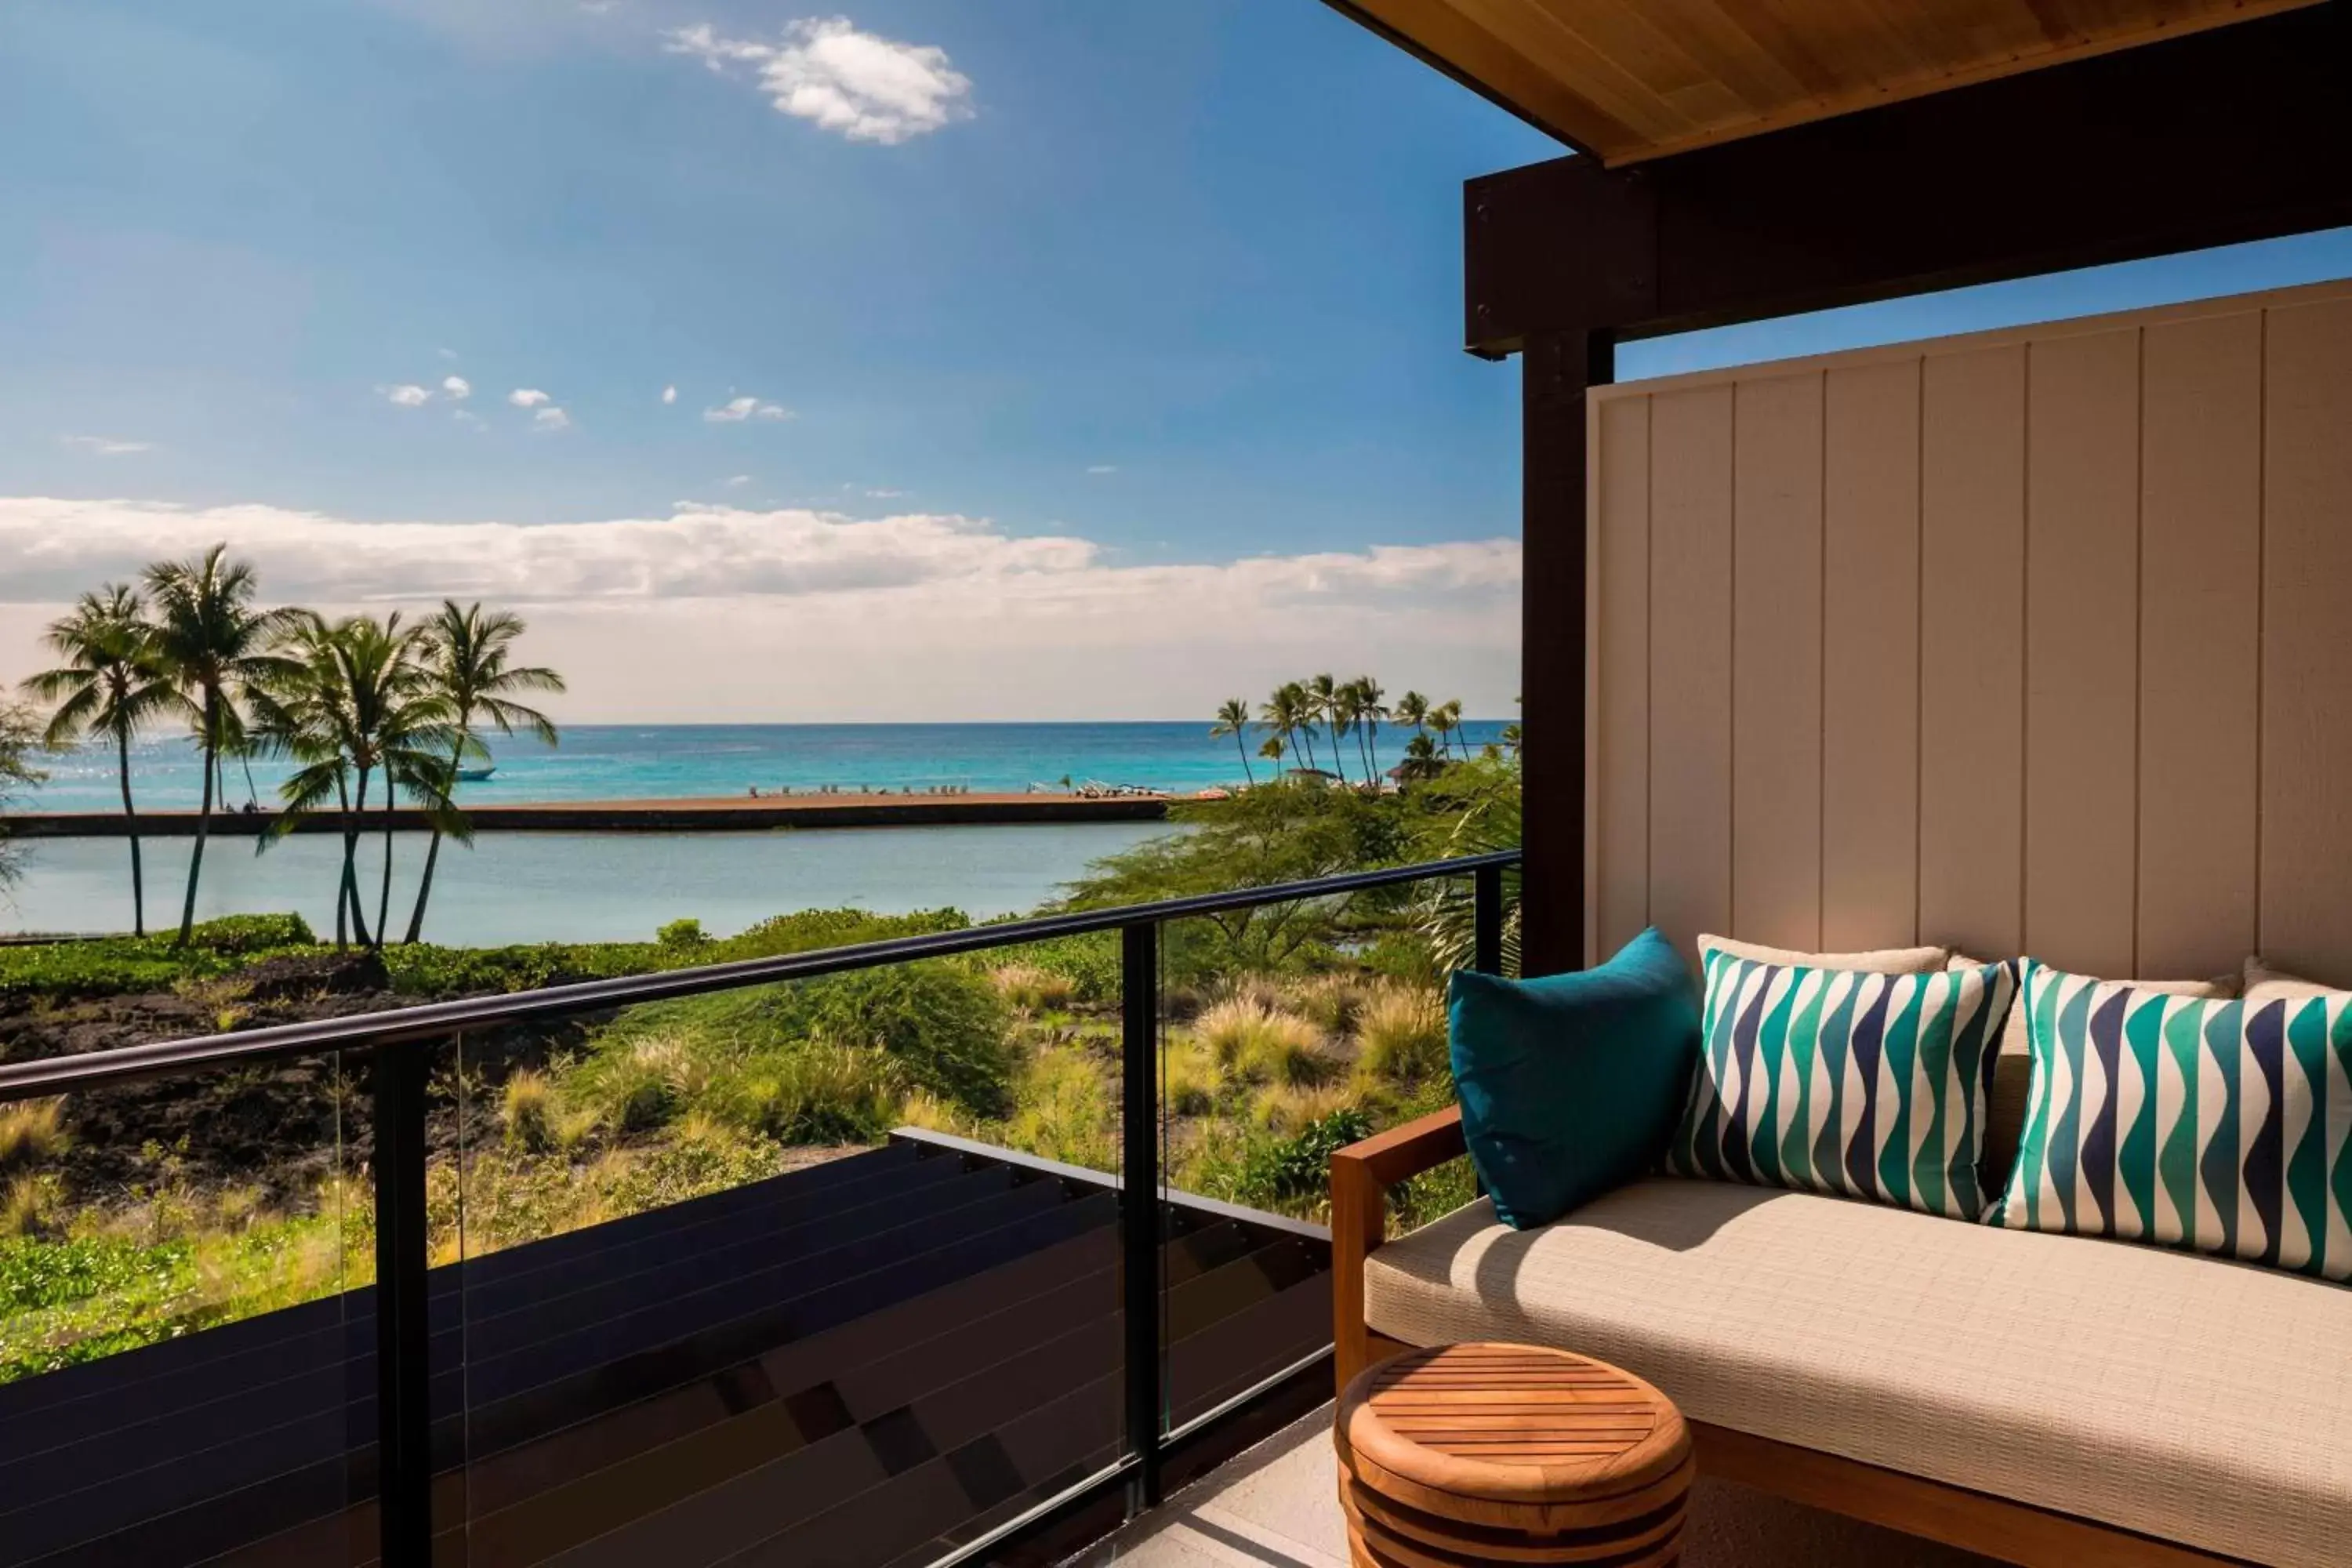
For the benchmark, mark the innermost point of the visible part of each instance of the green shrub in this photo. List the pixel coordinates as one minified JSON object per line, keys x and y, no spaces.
{"x":1089,"y":962}
{"x":1299,"y":1169}
{"x":686,"y":934}
{"x":527,"y":1107}
{"x":31,"y":1130}
{"x":1068,"y":1111}
{"x":1259,"y":1043}
{"x":1401,"y":1036}
{"x":638,"y":1085}
{"x":249,"y":936}
{"x":812,"y":930}
{"x":1029,"y":988}
{"x":116,"y":965}
{"x":814,"y":1093}
{"x":944,"y":1024}
{"x":1189,"y":1075}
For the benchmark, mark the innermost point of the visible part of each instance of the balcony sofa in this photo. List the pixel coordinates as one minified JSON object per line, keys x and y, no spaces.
{"x":2040,"y":1398}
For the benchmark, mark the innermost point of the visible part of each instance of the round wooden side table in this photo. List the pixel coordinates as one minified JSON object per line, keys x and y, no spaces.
{"x":1498,"y":1453}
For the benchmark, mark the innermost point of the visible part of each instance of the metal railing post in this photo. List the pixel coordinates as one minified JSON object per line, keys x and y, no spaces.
{"x":1486,"y":920}
{"x":1139,"y":1219}
{"x":403,"y":1334}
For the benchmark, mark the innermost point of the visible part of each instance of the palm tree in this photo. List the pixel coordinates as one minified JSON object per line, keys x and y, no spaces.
{"x":352,"y":704}
{"x":466,"y":655}
{"x":306,"y":713}
{"x":1364,"y":696}
{"x":110,"y":685}
{"x":1287,"y":713}
{"x":1413,"y":708}
{"x":1234,"y":719}
{"x":215,"y":647}
{"x":1272,"y":751}
{"x":1446,"y":720}
{"x":1421,"y":760}
{"x":19,"y":735}
{"x":1325,"y":702}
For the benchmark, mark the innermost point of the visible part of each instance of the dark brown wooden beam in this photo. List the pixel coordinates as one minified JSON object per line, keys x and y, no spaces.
{"x":2238,"y":133}
{"x":1557,"y":370}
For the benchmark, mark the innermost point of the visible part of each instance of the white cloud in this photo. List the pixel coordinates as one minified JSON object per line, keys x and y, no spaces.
{"x":941,"y":615}
{"x":867,"y":88}
{"x":527,"y":398}
{"x":447,"y":353}
{"x":735,"y":410}
{"x":105,"y":446}
{"x":1103,"y":469}
{"x":407,"y":396}
{"x":458,"y":386}
{"x":552,"y":418}
{"x":737,"y":481}
{"x":670,"y":395}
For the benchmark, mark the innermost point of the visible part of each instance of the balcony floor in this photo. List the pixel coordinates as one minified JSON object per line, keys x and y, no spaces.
{"x":1277,"y":1507}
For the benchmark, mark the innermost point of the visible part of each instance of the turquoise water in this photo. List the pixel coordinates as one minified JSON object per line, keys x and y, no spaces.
{"x":532,"y":887}
{"x":578,"y":887}
{"x":669,"y":761}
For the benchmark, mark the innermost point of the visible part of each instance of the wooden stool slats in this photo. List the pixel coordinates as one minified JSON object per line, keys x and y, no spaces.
{"x":1489,"y":1452}
{"x":1378,"y":1517}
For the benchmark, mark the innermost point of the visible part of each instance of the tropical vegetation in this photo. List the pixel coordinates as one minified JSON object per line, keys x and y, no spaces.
{"x":19,"y":736}
{"x":1326,"y":725}
{"x":135,"y":1213}
{"x":366,"y":710}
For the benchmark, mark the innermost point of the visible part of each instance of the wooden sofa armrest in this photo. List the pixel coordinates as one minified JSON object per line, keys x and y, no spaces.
{"x":1361,"y":1175}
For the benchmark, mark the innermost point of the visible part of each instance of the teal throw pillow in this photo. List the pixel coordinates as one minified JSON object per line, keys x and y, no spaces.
{"x":1570,"y":1083}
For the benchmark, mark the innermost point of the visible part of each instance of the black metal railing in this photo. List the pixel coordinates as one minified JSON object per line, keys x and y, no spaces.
{"x":402,"y":1329}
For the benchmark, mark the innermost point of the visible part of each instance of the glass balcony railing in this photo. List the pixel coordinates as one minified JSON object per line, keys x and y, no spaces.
{"x":888,"y":1297}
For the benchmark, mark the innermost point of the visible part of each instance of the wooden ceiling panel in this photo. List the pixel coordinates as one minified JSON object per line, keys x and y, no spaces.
{"x":1630,"y":79}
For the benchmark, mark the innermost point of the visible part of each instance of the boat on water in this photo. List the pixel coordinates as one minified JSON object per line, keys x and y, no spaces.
{"x":475,"y":775}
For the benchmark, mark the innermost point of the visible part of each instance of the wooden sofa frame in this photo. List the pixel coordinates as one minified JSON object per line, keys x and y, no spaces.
{"x":1361,"y":1175}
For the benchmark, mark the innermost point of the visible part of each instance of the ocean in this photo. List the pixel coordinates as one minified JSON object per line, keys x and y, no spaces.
{"x":576,"y":887}
{"x":585,"y":887}
{"x":680,"y":761}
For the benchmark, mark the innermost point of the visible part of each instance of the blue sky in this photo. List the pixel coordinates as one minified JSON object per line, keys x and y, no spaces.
{"x":1088,"y":359}
{"x":1213,"y":245}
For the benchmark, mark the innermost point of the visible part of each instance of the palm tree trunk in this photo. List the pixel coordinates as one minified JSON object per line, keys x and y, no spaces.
{"x":383,"y":900}
{"x":432,"y":858}
{"x":131,"y":825}
{"x":1241,"y":745}
{"x":203,"y":819}
{"x":352,"y":865}
{"x":343,"y":877}
{"x":1338,"y":765}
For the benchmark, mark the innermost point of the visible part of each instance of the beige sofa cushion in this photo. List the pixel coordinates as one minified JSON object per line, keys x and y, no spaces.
{"x":2201,"y":1401}
{"x":2012,"y":1071}
{"x":1879,"y":960}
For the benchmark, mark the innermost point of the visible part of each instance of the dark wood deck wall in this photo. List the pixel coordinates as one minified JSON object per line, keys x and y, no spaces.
{"x":862,"y":1363}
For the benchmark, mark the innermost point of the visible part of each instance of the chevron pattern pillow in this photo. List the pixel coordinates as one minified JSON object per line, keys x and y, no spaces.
{"x":2218,"y":1126}
{"x":1828,"y":1081}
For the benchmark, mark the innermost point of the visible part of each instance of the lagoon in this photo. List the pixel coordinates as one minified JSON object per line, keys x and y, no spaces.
{"x":577,"y":886}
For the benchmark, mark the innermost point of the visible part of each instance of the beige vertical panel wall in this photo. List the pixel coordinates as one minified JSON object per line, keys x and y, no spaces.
{"x":2037,"y":641}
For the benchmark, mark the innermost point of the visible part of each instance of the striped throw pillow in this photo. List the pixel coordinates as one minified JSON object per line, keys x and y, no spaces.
{"x":2222,"y":1127}
{"x":1830,"y":1080}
